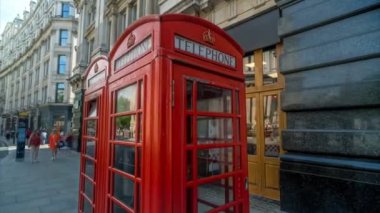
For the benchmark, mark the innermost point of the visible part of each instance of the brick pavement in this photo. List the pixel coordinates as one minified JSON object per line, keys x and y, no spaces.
{"x":52,"y":186}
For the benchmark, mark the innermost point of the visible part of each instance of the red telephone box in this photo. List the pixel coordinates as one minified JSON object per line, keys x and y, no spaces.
{"x":93,"y":155}
{"x":174,"y":120}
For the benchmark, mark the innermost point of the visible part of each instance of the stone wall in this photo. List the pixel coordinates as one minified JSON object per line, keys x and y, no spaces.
{"x":331,"y":64}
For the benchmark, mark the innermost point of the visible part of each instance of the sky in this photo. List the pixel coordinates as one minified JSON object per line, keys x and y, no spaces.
{"x":9,"y":10}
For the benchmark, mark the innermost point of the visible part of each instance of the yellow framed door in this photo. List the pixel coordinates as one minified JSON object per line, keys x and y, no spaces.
{"x":264,"y":123}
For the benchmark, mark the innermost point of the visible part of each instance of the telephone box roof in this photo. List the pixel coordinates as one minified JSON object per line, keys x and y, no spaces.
{"x":174,"y":17}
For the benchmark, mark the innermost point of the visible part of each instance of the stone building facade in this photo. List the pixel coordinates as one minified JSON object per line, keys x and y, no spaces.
{"x":101,"y":22}
{"x":331,"y":66}
{"x":36,"y":61}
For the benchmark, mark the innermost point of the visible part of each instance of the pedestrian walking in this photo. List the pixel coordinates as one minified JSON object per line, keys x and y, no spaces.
{"x":34,"y":143}
{"x":44,"y":136}
{"x":53,"y":143}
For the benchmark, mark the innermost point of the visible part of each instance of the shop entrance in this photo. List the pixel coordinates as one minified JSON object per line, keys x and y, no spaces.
{"x":263,"y":138}
{"x":264,"y":121}
{"x":207,"y":107}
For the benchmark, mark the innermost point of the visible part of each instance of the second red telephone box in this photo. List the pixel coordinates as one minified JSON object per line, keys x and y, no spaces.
{"x":175,"y":120}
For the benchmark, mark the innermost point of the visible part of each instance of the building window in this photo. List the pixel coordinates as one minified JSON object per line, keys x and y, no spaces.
{"x":36,"y":97}
{"x":44,"y":94}
{"x":132,"y":13}
{"x":46,"y":69}
{"x":270,"y":66}
{"x":47,"y":46}
{"x":60,"y":92}
{"x":37,"y":75}
{"x":249,"y":70}
{"x":30,"y":80}
{"x":65,"y":10}
{"x":61,"y":64}
{"x":63,"y":37}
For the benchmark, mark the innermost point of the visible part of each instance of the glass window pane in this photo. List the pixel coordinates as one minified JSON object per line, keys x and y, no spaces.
{"x":140,"y":127}
{"x":214,"y":130}
{"x":213,"y":99}
{"x":139,"y":162}
{"x":215,"y":194}
{"x":89,"y":168}
{"x":88,"y":188}
{"x":125,"y":128}
{"x":117,"y":208}
{"x":237,"y":104}
{"x":90,"y":148}
{"x":251,"y":126}
{"x":271,"y":126}
{"x":189,"y":94}
{"x":124,"y":190}
{"x":91,"y":127}
{"x":124,"y":159}
{"x":249,"y":70}
{"x":214,"y":161}
{"x":189,"y":129}
{"x":269,"y":67}
{"x":92,"y":112}
{"x":126,"y":99}
{"x":189,"y":167}
{"x":87,"y":207}
{"x":141,"y":95}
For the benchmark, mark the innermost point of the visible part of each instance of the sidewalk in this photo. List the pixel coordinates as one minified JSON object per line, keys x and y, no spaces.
{"x":47,"y":186}
{"x":52,"y":186}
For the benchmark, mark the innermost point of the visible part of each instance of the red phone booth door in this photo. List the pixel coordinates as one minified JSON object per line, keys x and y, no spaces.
{"x":206,"y":107}
{"x":90,"y":140}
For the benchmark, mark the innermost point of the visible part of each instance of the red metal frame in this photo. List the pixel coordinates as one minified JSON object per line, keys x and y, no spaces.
{"x":148,"y":52}
{"x":94,"y":92}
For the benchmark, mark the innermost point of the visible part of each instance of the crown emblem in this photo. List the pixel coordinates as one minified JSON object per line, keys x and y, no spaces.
{"x":131,"y":40}
{"x":209,"y":37}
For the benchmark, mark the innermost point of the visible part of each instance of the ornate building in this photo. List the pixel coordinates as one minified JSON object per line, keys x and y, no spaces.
{"x":100,"y":24}
{"x":36,"y":61}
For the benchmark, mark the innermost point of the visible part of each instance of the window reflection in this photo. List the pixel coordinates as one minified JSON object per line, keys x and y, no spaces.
{"x":249,"y":70}
{"x":90,"y":148}
{"x":87,"y":207}
{"x":213,"y":99}
{"x":126,"y":99}
{"x":189,"y":94}
{"x":92,"y":112}
{"x":125,"y":127}
{"x":89,"y":170}
{"x":269,"y":66}
{"x":141,"y":104}
{"x":91,"y":127}
{"x":214,"y":130}
{"x":214,"y":161}
{"x":124,"y":159}
{"x":88,"y":188}
{"x":117,"y":208}
{"x":124,"y":190}
{"x":251,"y":126}
{"x":215,"y":194}
{"x":271,"y":126}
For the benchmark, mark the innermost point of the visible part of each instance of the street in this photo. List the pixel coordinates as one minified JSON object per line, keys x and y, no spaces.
{"x":52,"y":186}
{"x":47,"y":186}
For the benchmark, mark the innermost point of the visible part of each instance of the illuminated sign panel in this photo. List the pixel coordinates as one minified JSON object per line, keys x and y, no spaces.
{"x":139,"y":50}
{"x":204,"y":51}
